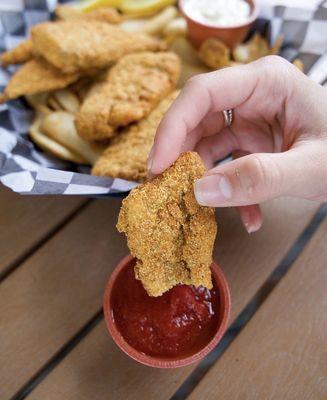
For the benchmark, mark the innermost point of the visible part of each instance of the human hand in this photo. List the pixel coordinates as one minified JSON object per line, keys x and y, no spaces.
{"x":280,"y":121}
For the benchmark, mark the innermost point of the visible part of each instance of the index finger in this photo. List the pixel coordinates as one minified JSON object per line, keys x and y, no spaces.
{"x":203,"y":94}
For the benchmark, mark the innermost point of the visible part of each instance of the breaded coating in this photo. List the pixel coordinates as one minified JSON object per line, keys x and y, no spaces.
{"x":19,"y":54}
{"x":133,"y":88}
{"x":168,"y":232}
{"x":104,"y":14}
{"x":75,"y":46}
{"x":126,"y":156}
{"x":215,"y":54}
{"x":35,"y":76}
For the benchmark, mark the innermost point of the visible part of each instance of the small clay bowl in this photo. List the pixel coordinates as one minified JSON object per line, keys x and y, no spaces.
{"x":230,"y":35}
{"x":156,"y":362}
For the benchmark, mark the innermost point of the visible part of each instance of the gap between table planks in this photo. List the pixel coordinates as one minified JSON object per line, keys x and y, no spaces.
{"x":55,"y":292}
{"x":26,"y":221}
{"x":96,"y":368}
{"x":281,"y":353}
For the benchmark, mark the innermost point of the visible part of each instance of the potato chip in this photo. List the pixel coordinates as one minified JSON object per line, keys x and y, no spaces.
{"x":67,"y":100}
{"x":60,"y":127}
{"x":215,"y":54}
{"x":51,"y":146}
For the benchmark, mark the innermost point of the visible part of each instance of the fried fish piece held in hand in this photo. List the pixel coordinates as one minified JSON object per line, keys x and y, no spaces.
{"x":79,"y":45}
{"x":126,"y":156}
{"x":133,"y":88}
{"x":21,"y":53}
{"x":36,"y":76}
{"x":168,"y":232}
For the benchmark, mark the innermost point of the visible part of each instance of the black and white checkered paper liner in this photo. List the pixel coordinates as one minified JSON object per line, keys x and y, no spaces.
{"x":27,"y":170}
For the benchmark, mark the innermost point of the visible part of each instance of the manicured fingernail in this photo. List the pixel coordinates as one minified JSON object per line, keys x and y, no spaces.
{"x":213,"y":190}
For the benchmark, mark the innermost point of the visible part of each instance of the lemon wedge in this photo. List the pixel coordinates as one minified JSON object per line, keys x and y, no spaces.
{"x":89,"y":5}
{"x":144,"y":7}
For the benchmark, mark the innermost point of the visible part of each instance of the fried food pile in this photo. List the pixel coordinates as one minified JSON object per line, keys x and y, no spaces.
{"x":126,"y":157}
{"x":168,"y":232}
{"x":99,"y":91}
{"x":100,"y":79}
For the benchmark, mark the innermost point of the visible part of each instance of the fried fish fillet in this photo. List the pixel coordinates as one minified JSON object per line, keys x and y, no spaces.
{"x":168,"y":232}
{"x":36,"y":76}
{"x":133,"y":88}
{"x":79,"y":45}
{"x":126,"y":156}
{"x":104,"y":14}
{"x":19,"y":54}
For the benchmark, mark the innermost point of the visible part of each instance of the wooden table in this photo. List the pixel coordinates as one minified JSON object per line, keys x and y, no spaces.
{"x":56,"y":255}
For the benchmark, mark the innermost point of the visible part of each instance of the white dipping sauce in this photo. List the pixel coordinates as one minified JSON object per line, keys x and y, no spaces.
{"x":218,"y":12}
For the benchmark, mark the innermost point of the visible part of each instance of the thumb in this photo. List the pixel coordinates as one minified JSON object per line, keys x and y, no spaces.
{"x":259,"y":177}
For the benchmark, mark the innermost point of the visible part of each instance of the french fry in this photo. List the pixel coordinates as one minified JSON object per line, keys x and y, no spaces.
{"x":50,"y":146}
{"x":67,"y":99}
{"x":60,"y":127}
{"x":156,"y":24}
{"x":133,"y":25}
{"x":176,"y":27}
{"x":152,"y":25}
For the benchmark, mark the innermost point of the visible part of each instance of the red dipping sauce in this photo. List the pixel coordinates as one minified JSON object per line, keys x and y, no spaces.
{"x":178,"y":323}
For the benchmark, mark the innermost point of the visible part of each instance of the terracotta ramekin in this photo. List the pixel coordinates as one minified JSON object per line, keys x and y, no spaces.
{"x":156,"y":362}
{"x":230,"y":35}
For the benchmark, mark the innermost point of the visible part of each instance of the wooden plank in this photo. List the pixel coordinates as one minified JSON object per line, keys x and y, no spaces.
{"x":281,"y":353}
{"x":97,"y":369}
{"x":55,"y":292}
{"x":26,"y":220}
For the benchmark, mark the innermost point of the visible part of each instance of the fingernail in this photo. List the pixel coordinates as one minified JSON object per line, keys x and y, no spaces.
{"x":150,"y":161}
{"x":250,"y":228}
{"x":213,"y":190}
{"x":251,"y":223}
